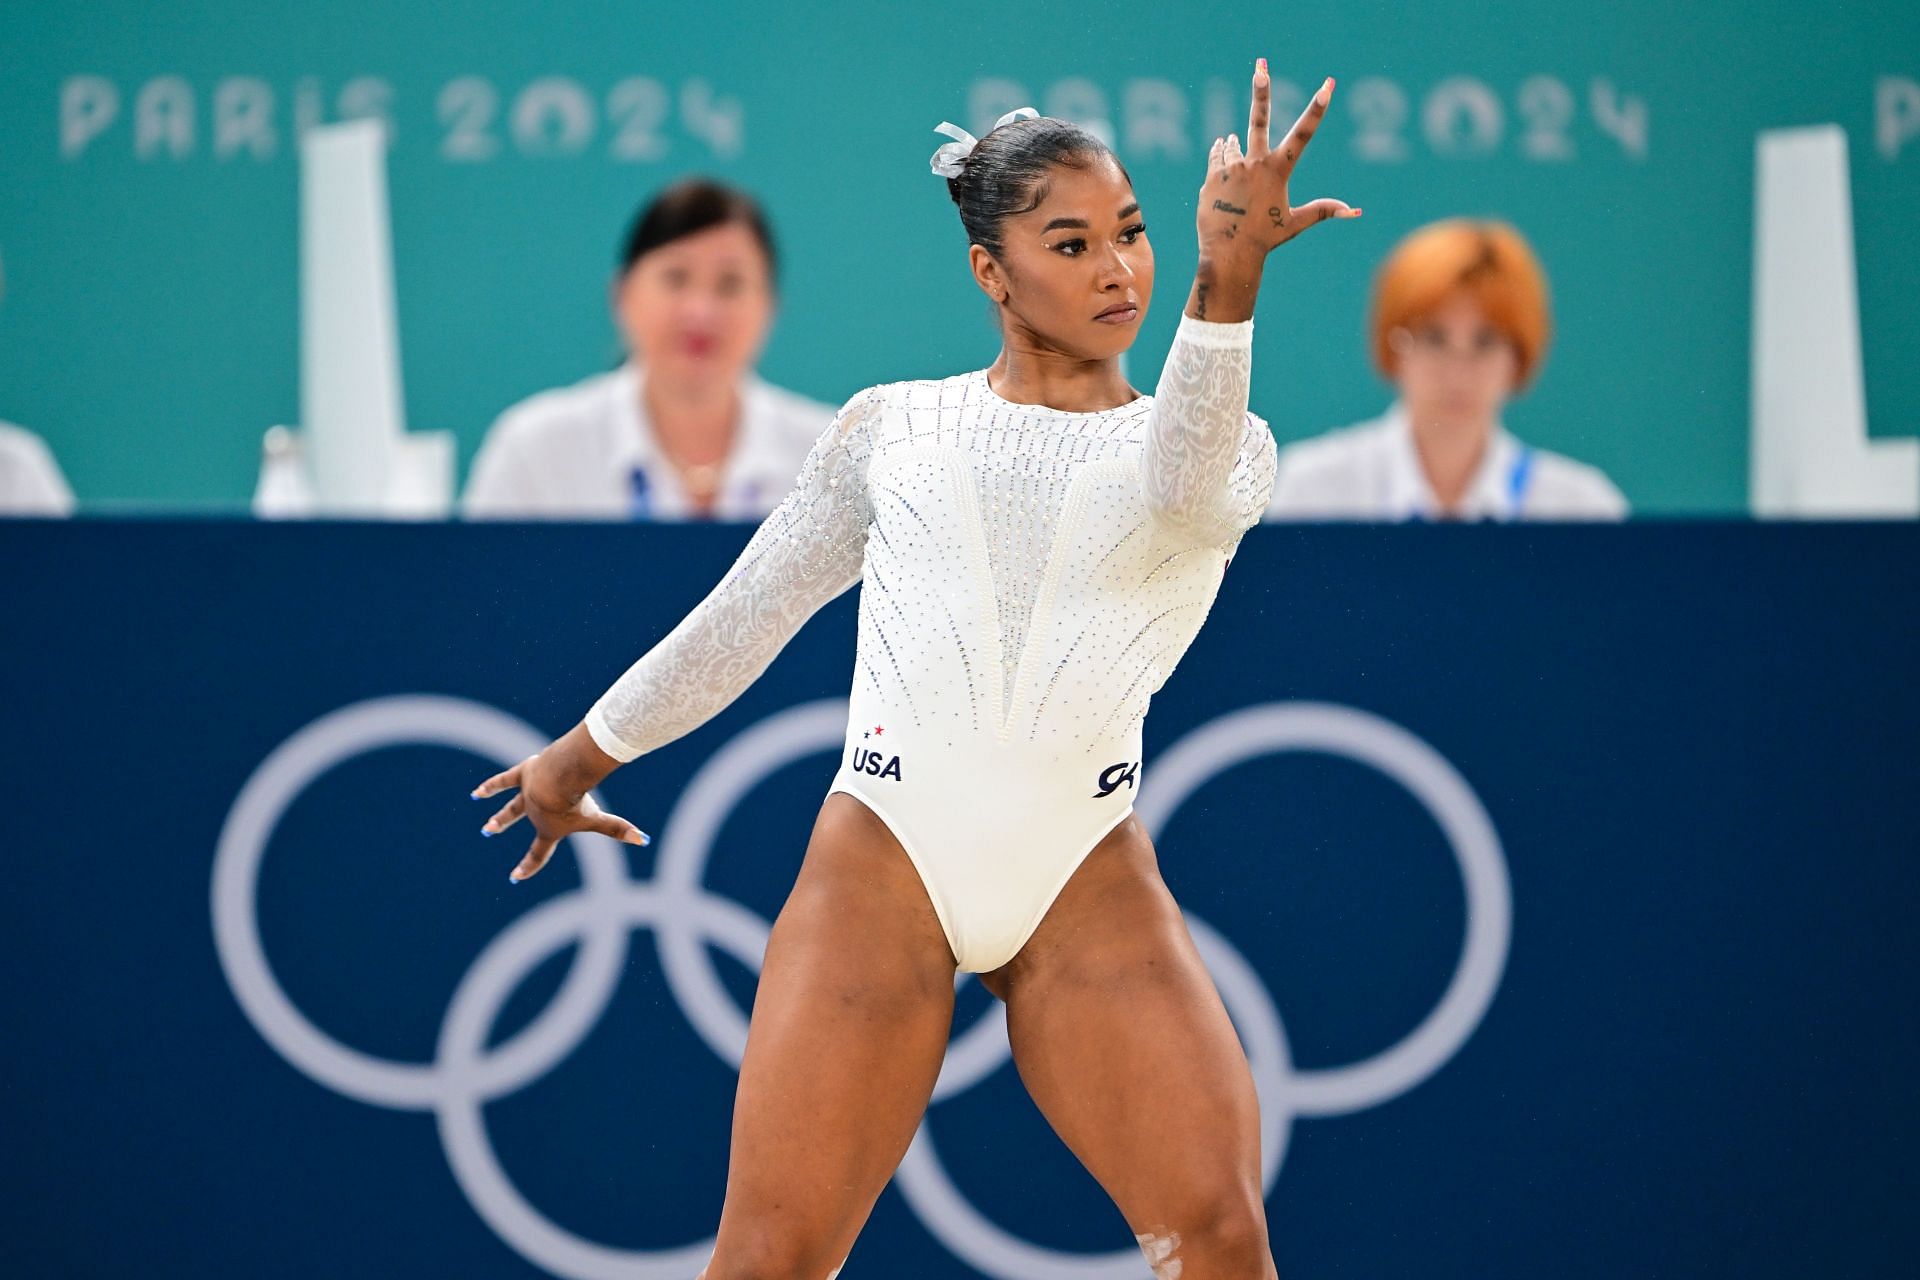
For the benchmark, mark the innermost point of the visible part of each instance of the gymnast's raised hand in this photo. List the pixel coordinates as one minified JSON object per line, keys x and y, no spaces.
{"x":1245,"y":211}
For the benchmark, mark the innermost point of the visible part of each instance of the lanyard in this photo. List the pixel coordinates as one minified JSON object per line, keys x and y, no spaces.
{"x":639,"y":496}
{"x":1517,"y":481}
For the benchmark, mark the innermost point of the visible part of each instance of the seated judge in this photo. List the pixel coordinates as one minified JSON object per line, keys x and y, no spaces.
{"x":1460,"y":326}
{"x":684,"y":429}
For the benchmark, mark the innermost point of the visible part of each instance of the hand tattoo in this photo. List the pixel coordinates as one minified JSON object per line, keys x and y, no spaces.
{"x":1224,"y":207}
{"x":1278,"y":215}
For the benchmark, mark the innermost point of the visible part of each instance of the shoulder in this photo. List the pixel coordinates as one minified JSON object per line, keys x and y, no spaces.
{"x":870,"y":401}
{"x":20,"y":442}
{"x":30,"y":479}
{"x":539,"y":453}
{"x":1329,"y":476}
{"x":957,"y":391}
{"x":910,"y":396}
{"x":1564,"y":489}
{"x":560,"y":413}
{"x":792,"y":415}
{"x":21,"y":450}
{"x":853,"y":422}
{"x":1338,"y":452}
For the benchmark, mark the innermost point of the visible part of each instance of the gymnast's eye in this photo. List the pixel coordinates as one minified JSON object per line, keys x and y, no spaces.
{"x":1133,"y":232}
{"x":1071,"y":248}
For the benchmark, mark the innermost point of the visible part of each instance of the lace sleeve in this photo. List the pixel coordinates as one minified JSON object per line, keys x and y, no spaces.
{"x":1208,"y":466}
{"x":805,"y":553}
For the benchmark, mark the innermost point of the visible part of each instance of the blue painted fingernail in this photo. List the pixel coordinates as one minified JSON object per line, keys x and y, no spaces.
{"x":512,"y":878}
{"x":645,"y":838}
{"x":475,"y":795}
{"x":485,"y":832}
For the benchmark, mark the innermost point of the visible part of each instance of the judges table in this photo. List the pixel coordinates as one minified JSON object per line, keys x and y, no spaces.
{"x":1559,"y":881}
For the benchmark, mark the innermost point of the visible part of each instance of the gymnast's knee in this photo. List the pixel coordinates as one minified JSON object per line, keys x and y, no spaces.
{"x":773,"y":1256}
{"x":1225,"y":1236}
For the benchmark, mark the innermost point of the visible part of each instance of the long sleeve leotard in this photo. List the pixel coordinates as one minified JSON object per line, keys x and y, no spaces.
{"x":953,"y":504}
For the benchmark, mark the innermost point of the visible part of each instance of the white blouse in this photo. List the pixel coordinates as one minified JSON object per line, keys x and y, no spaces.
{"x":1372,"y":472}
{"x":30,"y":480}
{"x":587,"y":452}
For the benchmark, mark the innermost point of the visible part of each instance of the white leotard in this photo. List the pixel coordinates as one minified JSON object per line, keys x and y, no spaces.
{"x":1030,"y":578}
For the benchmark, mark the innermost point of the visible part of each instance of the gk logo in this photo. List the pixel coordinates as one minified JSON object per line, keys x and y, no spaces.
{"x":1114,"y":774}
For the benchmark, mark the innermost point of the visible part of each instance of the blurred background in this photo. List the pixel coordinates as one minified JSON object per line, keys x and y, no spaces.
{"x":1559,"y":879}
{"x":150,"y":329}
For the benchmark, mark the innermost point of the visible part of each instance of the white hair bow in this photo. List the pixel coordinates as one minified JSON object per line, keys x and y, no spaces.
{"x":950,"y":161}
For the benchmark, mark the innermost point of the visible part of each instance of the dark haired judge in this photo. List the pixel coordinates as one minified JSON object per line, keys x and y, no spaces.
{"x":684,"y":429}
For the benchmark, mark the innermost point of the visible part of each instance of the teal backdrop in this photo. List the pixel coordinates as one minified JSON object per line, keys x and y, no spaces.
{"x":149,"y":197}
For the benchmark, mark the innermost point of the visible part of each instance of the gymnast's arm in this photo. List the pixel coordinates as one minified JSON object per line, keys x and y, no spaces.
{"x":1208,"y":466}
{"x":809,"y":550}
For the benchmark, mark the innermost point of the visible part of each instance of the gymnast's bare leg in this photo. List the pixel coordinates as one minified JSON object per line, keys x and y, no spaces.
{"x":848,"y":1031}
{"x":1125,"y":1046}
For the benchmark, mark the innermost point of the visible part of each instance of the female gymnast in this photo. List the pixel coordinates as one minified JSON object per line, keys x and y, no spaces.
{"x":1037,"y":544}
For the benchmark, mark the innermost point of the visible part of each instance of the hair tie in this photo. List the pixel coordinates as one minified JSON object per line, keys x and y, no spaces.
{"x":950,"y":160}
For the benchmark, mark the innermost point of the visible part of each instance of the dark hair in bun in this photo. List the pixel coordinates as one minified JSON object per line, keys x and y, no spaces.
{"x":1007,"y":170}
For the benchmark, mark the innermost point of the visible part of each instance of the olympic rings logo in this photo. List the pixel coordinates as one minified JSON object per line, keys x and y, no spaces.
{"x":686,"y":920}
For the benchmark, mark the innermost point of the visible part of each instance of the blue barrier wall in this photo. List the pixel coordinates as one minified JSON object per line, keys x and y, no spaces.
{"x":1695,"y":747}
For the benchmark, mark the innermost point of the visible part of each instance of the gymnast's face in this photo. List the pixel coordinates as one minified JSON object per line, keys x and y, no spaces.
{"x":1075,"y":274}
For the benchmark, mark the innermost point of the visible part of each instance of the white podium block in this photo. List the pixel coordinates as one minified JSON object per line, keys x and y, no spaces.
{"x":1810,"y":453}
{"x":420,"y":477}
{"x":350,"y":404}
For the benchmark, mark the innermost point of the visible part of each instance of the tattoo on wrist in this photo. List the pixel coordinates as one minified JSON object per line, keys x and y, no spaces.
{"x":1224,"y":207}
{"x":1199,"y":301}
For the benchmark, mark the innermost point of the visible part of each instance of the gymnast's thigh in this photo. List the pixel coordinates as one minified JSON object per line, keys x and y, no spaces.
{"x":1122,"y":1039}
{"x":849,"y":1027}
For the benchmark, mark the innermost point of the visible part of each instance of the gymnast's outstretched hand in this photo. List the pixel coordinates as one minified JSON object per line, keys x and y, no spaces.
{"x":556,"y":796}
{"x":1246,"y":211}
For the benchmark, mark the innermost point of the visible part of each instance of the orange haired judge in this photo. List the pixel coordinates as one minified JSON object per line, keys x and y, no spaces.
{"x":1460,"y":325}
